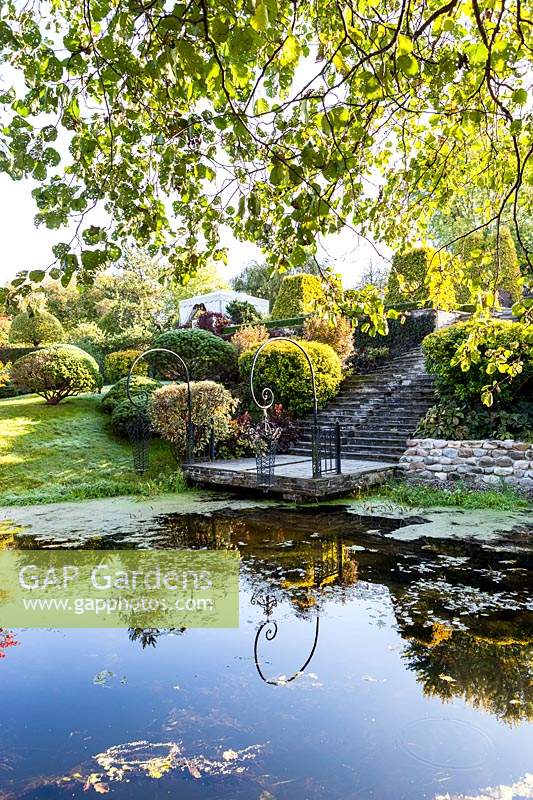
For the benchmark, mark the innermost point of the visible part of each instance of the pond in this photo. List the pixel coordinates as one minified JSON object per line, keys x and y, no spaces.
{"x":370,"y":661}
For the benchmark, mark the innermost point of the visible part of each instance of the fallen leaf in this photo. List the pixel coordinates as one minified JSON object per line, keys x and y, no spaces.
{"x":193,"y":769}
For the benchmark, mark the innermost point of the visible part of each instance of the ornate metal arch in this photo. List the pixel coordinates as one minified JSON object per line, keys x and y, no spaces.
{"x":267,"y":395}
{"x":139,"y":428}
{"x":270,"y":627}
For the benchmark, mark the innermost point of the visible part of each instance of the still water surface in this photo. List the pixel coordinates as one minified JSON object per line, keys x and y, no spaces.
{"x":365,"y":667}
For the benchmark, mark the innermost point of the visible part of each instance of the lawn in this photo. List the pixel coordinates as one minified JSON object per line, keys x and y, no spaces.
{"x":67,"y":452}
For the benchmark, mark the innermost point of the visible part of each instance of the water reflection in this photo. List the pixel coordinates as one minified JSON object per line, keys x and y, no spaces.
{"x":404,"y":668}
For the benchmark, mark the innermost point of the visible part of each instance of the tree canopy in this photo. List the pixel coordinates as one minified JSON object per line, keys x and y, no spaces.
{"x":284,"y":120}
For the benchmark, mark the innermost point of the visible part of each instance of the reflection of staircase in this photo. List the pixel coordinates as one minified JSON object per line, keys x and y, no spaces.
{"x":377,"y":412}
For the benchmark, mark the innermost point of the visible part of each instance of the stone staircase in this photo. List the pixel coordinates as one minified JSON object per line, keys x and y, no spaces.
{"x":377,"y":412}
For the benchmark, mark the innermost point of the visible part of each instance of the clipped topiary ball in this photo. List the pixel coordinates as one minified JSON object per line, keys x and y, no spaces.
{"x":139,"y":387}
{"x":57,"y":372}
{"x":207,"y":356}
{"x":35,"y":327}
{"x":123,"y":416}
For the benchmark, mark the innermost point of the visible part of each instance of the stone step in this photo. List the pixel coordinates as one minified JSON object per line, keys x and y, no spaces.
{"x":346,"y":405}
{"x":377,"y":412}
{"x":356,"y":441}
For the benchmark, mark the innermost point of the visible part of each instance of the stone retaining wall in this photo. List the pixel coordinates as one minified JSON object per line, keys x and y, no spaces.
{"x":477,"y":463}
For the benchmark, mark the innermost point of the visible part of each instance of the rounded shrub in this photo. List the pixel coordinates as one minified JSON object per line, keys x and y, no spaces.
{"x":56,"y":372}
{"x":89,"y":337}
{"x":123,"y":416}
{"x":117,"y":365}
{"x":283,"y":368}
{"x":298,"y":294}
{"x":140,"y":386}
{"x":212,"y":405}
{"x":35,"y":327}
{"x":207,"y":356}
{"x":512,"y":341}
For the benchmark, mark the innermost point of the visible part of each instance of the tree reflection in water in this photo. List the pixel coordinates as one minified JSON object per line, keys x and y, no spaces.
{"x":462,"y":606}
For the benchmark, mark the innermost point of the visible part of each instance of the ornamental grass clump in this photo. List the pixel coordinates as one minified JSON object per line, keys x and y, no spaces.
{"x":57,"y":372}
{"x":212,"y":406}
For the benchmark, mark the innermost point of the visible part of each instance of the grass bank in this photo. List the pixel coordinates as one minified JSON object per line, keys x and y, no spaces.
{"x":504,"y":498}
{"x":50,"y":454}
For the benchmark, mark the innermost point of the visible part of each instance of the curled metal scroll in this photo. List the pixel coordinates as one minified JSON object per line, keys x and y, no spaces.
{"x":270,"y":628}
{"x":139,"y":400}
{"x":267,"y":396}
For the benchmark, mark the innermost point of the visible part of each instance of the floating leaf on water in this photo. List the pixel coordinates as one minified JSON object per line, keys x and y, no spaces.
{"x":194,"y":771}
{"x":102,"y":678}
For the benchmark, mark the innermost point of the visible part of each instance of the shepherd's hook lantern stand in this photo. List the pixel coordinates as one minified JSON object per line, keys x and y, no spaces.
{"x":269,"y":628}
{"x":139,"y":428}
{"x":266,"y":448}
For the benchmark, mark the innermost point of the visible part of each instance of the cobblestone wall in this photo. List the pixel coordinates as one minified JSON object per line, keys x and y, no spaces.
{"x":478,"y":463}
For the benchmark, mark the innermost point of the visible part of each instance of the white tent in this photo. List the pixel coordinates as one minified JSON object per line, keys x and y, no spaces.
{"x":219,"y":301}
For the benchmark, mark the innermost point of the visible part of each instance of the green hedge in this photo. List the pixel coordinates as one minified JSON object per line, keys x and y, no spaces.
{"x":117,"y":365}
{"x":297,"y":295}
{"x":284,"y":369}
{"x":291,"y":322}
{"x":401,"y":336}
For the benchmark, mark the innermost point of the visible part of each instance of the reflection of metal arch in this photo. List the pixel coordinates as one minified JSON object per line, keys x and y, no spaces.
{"x":139,"y":428}
{"x":267,"y":396}
{"x":271,"y":630}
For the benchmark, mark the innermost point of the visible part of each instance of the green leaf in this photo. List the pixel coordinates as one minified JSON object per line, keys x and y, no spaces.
{"x":520,"y":97}
{"x":37,"y":275}
{"x":477,"y":53}
{"x":290,"y":52}
{"x":278,"y":174}
{"x":405,"y":44}
{"x":259,"y":21}
{"x":408,"y":65}
{"x":261,"y":106}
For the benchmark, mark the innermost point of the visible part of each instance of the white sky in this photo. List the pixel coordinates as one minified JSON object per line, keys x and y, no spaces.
{"x":23,"y":246}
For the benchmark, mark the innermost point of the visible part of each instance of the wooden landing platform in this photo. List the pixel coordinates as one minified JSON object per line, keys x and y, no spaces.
{"x":292,"y":478}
